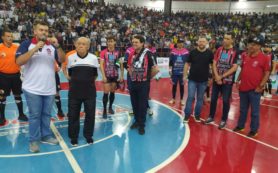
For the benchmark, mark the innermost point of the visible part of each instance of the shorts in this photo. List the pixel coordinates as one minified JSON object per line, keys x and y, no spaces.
{"x":176,"y":79}
{"x":112,"y":79}
{"x":11,"y":82}
{"x":58,"y":84}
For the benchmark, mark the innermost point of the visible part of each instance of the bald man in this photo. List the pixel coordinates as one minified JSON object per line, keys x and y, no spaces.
{"x":82,"y":69}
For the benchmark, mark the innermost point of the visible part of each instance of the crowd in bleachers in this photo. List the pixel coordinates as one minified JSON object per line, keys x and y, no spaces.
{"x":69,"y":19}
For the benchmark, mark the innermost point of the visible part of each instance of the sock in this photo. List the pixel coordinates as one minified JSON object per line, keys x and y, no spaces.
{"x":111,"y":99}
{"x":181,"y":91}
{"x":58,"y":103}
{"x":174,"y":90}
{"x":105,"y":100}
{"x":2,"y":107}
{"x":18,"y":101}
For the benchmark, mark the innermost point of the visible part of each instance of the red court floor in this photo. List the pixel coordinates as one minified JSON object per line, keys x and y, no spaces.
{"x":211,"y":150}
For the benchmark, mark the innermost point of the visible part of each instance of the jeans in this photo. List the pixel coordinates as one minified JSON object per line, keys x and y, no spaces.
{"x":226,"y":91}
{"x":194,"y":87}
{"x":249,"y":98}
{"x":39,"y":107}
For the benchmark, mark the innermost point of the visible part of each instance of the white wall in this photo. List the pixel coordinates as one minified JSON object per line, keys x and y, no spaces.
{"x":251,"y":6}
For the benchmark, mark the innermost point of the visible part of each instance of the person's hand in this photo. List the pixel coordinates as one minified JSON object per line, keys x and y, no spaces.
{"x":218,"y":78}
{"x":259,"y":89}
{"x":54,"y":41}
{"x":121,"y":79}
{"x":170,"y":72}
{"x":39,"y":45}
{"x":104,"y":79}
{"x":237,"y":84}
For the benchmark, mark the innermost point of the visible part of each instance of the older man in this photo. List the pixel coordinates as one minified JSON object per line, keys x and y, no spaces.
{"x":82,"y":69}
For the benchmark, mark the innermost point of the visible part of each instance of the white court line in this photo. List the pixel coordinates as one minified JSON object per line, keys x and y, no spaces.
{"x":230,"y":130}
{"x":180,"y":149}
{"x":74,"y":148}
{"x":75,"y":166}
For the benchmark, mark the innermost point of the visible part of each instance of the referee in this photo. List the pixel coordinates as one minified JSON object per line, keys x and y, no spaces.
{"x":9,"y":76}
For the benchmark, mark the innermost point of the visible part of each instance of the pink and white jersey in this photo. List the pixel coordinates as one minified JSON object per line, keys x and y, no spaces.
{"x":110,"y":58}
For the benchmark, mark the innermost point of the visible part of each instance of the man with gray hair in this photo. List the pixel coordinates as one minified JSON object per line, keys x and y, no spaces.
{"x":82,"y":69}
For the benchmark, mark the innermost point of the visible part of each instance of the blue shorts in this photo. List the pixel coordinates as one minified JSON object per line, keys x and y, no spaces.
{"x":176,"y":79}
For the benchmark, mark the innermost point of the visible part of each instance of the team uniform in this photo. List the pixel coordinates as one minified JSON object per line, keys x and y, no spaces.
{"x":9,"y":80}
{"x":225,"y":59}
{"x":82,"y":89}
{"x":178,"y":58}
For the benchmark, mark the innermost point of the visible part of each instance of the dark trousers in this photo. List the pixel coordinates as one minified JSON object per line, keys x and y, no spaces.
{"x":139,"y":94}
{"x":74,"y":107}
{"x":226,"y":90}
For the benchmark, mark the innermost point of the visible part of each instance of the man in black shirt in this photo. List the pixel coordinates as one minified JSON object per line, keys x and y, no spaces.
{"x":199,"y":61}
{"x":82,"y":69}
{"x":224,"y":68}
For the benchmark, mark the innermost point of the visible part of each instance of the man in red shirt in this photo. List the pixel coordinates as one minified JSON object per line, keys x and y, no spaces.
{"x":255,"y":70}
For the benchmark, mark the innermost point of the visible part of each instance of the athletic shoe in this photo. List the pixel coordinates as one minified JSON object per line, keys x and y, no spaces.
{"x":2,"y":121}
{"x":209,"y":120}
{"x":186,"y":119}
{"x":50,"y":140}
{"x":131,"y":113}
{"x":252,"y":134}
{"x":197,"y":119}
{"x":268,"y":96}
{"x":23,"y":117}
{"x":61,"y":114}
{"x":222,"y":125}
{"x":134,"y":125}
{"x":111,"y":111}
{"x":150,"y":111}
{"x":74,"y":142}
{"x":238,"y":129}
{"x":141,"y":130}
{"x":90,"y":140}
{"x":172,"y":101}
{"x":34,"y":147}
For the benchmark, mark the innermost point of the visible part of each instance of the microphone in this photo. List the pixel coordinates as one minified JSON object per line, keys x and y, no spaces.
{"x":43,"y":38}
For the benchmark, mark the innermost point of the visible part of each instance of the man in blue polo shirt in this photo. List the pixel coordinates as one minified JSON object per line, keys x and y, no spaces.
{"x":38,"y":56}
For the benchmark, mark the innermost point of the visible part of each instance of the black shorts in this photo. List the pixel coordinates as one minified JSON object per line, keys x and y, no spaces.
{"x":11,"y":82}
{"x":112,"y":79}
{"x":58,"y":84}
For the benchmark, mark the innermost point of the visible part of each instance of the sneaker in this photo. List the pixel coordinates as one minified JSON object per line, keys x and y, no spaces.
{"x":2,"y":121}
{"x":252,"y":134}
{"x":186,"y":119}
{"x":111,"y":111}
{"x":182,"y":103}
{"x":131,"y":113}
{"x":268,"y":96}
{"x":222,"y":125}
{"x":34,"y":147}
{"x":172,"y":101}
{"x":209,"y":120}
{"x":197,"y":119}
{"x":50,"y":140}
{"x":22,"y":117}
{"x":238,"y":129}
{"x":61,"y":114}
{"x":90,"y":140}
{"x":104,"y":114}
{"x":134,"y":125}
{"x":74,"y":142}
{"x":150,"y":111}
{"x":141,"y":130}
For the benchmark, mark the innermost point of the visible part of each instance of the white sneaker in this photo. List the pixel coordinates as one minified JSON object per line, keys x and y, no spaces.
{"x":150,"y":111}
{"x":268,"y":96}
{"x":172,"y":101}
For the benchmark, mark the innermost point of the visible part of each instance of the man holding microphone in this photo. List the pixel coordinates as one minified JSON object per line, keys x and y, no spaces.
{"x":38,"y":56}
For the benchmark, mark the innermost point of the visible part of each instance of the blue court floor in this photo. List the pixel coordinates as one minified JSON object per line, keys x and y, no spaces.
{"x":116,"y":148}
